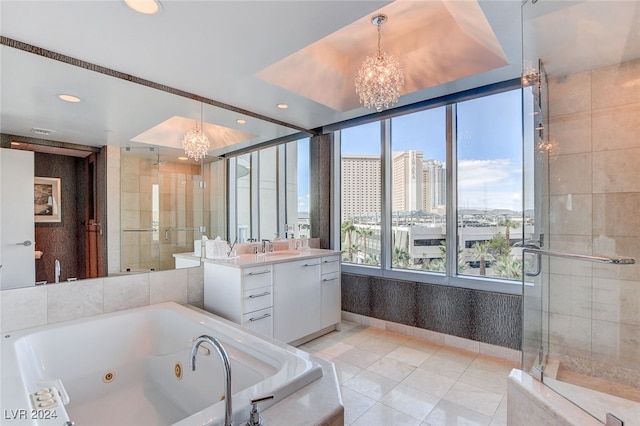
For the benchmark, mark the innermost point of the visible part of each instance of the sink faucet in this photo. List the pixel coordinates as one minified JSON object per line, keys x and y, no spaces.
{"x":57,"y":271}
{"x":227,"y":369}
{"x":267,"y":246}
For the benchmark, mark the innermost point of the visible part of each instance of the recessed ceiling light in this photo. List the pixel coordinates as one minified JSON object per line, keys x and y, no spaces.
{"x":183,"y":158}
{"x":282,"y":106}
{"x":241,"y":121}
{"x":146,"y":7}
{"x":69,"y":98}
{"x":42,"y":132}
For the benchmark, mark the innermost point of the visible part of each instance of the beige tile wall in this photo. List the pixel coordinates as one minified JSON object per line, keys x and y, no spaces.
{"x":48,"y":304}
{"x":594,"y":187}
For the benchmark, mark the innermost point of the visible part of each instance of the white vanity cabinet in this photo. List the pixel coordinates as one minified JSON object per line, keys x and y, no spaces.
{"x":293,"y":298}
{"x":241,"y":295}
{"x":297,"y":296}
{"x":331,"y":291}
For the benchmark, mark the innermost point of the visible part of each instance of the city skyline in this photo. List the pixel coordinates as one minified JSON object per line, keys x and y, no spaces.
{"x":489,"y":163}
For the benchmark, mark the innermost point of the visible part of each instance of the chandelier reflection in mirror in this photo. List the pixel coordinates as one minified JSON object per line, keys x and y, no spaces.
{"x":195,"y":142}
{"x":380,"y":77}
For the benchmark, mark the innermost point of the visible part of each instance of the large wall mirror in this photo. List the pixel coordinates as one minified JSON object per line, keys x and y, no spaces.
{"x":129,"y":198}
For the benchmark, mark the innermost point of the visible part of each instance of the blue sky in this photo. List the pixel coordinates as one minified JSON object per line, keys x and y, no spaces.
{"x":489,"y":147}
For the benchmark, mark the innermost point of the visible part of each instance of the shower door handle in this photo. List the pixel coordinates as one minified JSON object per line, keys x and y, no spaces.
{"x":584,"y":257}
{"x":530,"y":247}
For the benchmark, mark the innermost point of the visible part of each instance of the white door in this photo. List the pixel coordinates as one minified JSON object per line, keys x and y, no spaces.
{"x":16,"y":219}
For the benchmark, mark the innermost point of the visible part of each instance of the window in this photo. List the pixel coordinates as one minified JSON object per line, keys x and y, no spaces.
{"x":361,"y":194}
{"x":297,"y":189}
{"x":242,"y":182}
{"x":418,"y":189}
{"x":270,"y":192}
{"x":422,"y":215}
{"x":489,"y":192}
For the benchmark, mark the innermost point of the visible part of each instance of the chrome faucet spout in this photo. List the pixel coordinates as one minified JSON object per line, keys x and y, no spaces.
{"x":224,"y":357}
{"x":57,"y":271}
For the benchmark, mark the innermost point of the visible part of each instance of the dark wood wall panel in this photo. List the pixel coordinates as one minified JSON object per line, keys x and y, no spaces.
{"x":61,"y":240}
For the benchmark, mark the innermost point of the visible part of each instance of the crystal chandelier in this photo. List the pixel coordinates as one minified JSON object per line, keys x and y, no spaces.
{"x":380,"y":76}
{"x":195,"y":142}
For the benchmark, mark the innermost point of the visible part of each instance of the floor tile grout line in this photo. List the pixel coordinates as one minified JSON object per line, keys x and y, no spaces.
{"x":399,"y":340}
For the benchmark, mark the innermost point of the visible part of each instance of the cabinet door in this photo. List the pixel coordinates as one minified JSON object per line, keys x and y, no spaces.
{"x":296,"y":299}
{"x":259,"y":321}
{"x":331,"y":299}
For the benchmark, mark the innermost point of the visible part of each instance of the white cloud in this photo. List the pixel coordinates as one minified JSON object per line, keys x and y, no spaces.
{"x":489,"y":184}
{"x":303,"y":203}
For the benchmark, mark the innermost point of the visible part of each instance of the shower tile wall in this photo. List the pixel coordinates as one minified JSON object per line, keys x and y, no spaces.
{"x":594,"y":196}
{"x":179,"y":207}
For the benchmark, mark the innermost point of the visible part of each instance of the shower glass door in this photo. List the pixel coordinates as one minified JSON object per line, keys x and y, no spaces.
{"x":161,"y":208}
{"x":581,"y":295}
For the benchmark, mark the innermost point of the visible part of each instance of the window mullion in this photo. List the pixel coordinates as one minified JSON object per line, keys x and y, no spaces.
{"x":255,"y":195}
{"x":282,"y":159}
{"x":232,"y":198}
{"x":451,"y":193}
{"x":386,"y":227}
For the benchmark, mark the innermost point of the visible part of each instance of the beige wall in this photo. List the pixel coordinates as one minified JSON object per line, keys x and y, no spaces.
{"x":594,"y":199}
{"x":48,"y":304}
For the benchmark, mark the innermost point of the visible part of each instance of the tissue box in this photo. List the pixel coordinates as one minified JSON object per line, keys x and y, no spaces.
{"x":216,"y":249}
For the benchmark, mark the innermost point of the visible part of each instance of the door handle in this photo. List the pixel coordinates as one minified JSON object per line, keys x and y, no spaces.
{"x":25,"y":243}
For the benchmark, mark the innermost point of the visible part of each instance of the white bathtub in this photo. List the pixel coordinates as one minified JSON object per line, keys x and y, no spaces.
{"x":138,"y":350}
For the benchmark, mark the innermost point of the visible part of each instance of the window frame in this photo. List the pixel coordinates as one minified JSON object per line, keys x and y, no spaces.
{"x":282,"y":197}
{"x":384,"y":270}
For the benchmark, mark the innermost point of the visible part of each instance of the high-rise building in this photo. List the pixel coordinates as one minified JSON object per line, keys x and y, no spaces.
{"x":360,"y":186}
{"x":418,"y":184}
{"x":408,"y":181}
{"x":434,"y":185}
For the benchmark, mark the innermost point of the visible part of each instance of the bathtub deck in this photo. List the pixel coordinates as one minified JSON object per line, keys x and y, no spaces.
{"x":601,"y":385}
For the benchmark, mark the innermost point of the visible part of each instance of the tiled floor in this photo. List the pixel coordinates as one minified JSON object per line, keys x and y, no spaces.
{"x":390,"y":379}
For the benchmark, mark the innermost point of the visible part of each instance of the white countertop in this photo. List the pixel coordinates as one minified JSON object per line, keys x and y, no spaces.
{"x":279,"y":256}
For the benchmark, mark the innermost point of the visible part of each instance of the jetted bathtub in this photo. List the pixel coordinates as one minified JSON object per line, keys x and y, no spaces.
{"x":132,"y":368}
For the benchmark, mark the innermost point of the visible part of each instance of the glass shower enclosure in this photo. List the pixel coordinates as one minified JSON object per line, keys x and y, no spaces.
{"x":581,"y":286}
{"x":162,"y":208}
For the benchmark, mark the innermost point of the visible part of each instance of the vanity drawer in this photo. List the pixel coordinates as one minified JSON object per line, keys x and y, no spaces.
{"x":330,"y":264}
{"x":259,"y":321}
{"x":256,"y":277}
{"x":256,"y":299}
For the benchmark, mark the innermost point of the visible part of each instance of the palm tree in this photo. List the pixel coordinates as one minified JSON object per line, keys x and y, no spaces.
{"x":372,"y":260}
{"x":508,"y":224}
{"x":499,"y":246}
{"x":481,"y":251}
{"x":347,"y":230}
{"x":400,"y":257}
{"x":365,"y":233}
{"x":439,"y":264}
{"x":436,"y":265}
{"x":509,"y":267}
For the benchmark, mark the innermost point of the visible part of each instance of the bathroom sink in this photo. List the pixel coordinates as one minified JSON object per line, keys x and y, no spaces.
{"x":284,"y":253}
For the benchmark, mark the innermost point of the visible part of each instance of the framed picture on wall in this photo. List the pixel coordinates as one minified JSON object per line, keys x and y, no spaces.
{"x":46,"y":199}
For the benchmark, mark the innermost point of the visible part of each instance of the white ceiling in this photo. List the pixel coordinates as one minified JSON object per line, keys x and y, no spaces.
{"x":214,"y":49}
